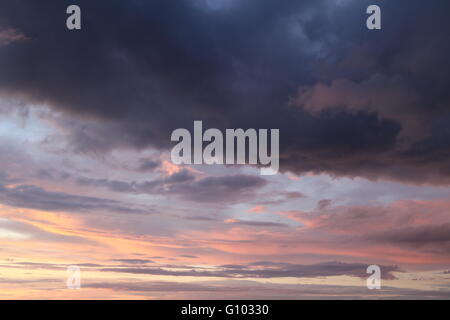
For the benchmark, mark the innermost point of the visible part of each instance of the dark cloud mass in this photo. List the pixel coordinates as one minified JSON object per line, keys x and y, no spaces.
{"x":348,"y":101}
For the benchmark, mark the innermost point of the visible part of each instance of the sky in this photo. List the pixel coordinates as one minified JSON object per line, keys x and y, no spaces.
{"x":87,"y":180}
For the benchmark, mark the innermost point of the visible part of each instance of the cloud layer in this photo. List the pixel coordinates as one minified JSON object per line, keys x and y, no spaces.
{"x":374,"y":103}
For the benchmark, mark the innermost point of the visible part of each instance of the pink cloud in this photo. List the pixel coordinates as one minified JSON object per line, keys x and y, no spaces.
{"x":10,"y":35}
{"x":257,"y":209}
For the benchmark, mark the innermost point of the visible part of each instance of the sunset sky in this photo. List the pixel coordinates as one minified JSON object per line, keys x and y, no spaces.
{"x":86,"y":176}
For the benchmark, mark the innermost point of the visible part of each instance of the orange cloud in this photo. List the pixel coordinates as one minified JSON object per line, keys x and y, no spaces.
{"x":257,"y":209}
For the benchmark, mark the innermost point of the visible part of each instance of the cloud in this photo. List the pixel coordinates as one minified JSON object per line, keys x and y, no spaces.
{"x":185,"y":185}
{"x":255,"y":223}
{"x":52,"y":175}
{"x":348,"y":102}
{"x":133,"y":261}
{"x":150,"y":286}
{"x":322,"y":204}
{"x":254,"y":290}
{"x":14,"y":230}
{"x":258,"y":269}
{"x":282,"y":197}
{"x":33,"y":197}
{"x":149,"y":165}
{"x":10,"y":35}
{"x":268,"y":270}
{"x":257,"y":209}
{"x":231,"y":188}
{"x":420,"y":225}
{"x":428,"y":236}
{"x":388,"y":97}
{"x":132,"y":93}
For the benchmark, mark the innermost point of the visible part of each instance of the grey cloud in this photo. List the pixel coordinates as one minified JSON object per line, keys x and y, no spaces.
{"x":258,"y":223}
{"x":150,"y":286}
{"x":10,"y":35}
{"x":28,"y":281}
{"x":133,"y":261}
{"x":265,"y":270}
{"x":282,"y":197}
{"x":31,"y":232}
{"x":232,"y":289}
{"x":219,"y":189}
{"x":151,"y":186}
{"x":185,"y":185}
{"x":33,"y":197}
{"x":422,"y":226}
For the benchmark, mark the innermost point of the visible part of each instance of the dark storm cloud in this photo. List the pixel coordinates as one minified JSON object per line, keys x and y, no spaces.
{"x":428,"y":237}
{"x":137,"y":70}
